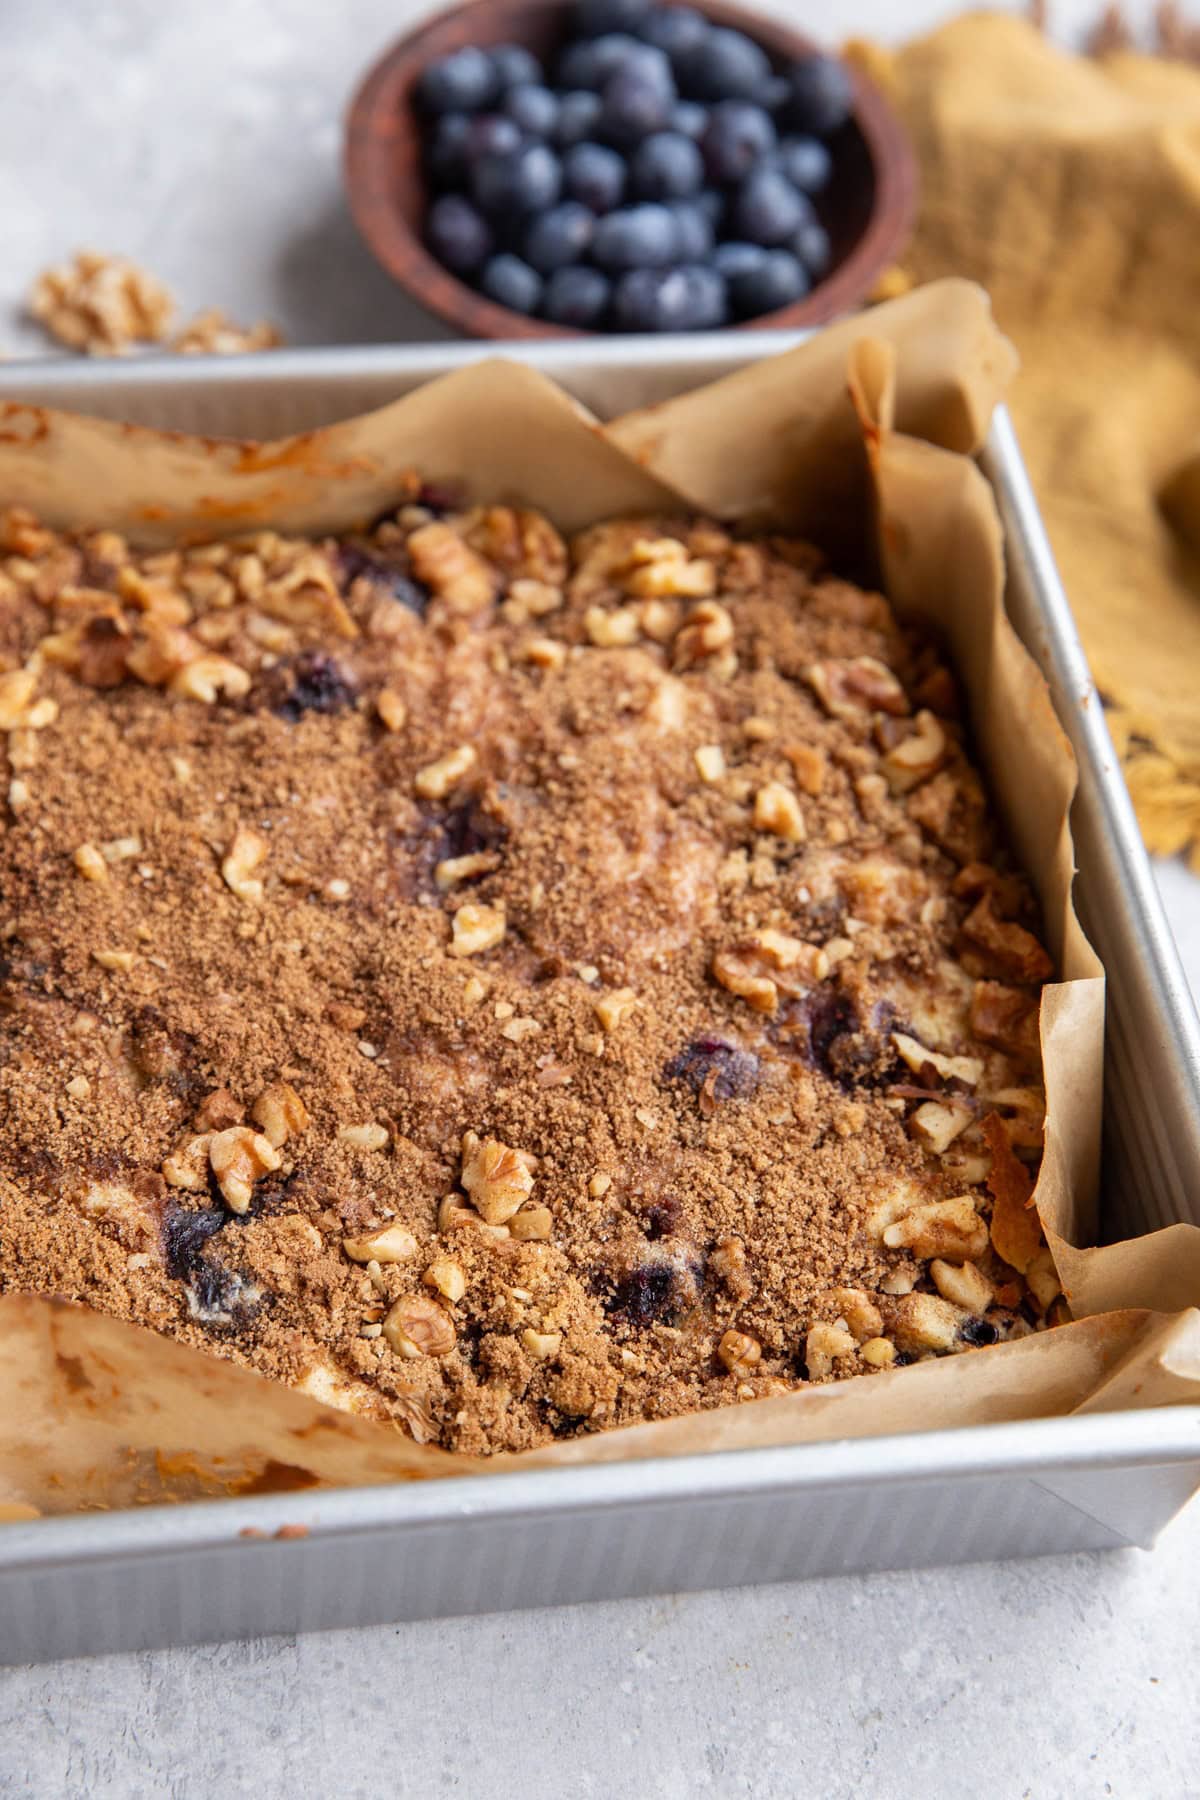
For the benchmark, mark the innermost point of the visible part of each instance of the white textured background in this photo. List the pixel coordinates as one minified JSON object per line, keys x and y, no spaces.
{"x":203,"y":142}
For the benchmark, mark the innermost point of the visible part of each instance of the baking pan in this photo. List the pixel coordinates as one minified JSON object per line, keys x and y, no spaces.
{"x":173,"y":1575}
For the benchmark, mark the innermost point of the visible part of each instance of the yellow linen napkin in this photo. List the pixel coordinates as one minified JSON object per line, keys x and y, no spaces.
{"x":1070,"y":188}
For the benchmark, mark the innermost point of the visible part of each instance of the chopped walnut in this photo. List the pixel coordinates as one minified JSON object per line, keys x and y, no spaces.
{"x":915,"y":758}
{"x":612,"y":630}
{"x":777,"y":810}
{"x":16,"y":696}
{"x":440,"y":778}
{"x":823,"y":1345}
{"x":370,"y":1136}
{"x":498,"y":1178}
{"x":951,"y":1229}
{"x":454,"y":869}
{"x":744,"y":976}
{"x":101,"y":304}
{"x":247,"y":852}
{"x":707,"y":631}
{"x":90,"y":864}
{"x":963,"y":1284}
{"x":926,"y":1322}
{"x":728,"y":1263}
{"x":280,"y":1112}
{"x":661,"y":568}
{"x":710,"y":763}
{"x":1002,"y":947}
{"x":447,"y":1277}
{"x":386,"y":1244}
{"x":937,"y":1123}
{"x":858,"y":1311}
{"x":391,"y":709}
{"x":208,"y":677}
{"x":476,"y":929}
{"x":239,"y":1157}
{"x":187,"y":1166}
{"x":849,"y":689}
{"x":213,"y":333}
{"x":611,"y":1008}
{"x":739,"y":1353}
{"x":532,"y":1223}
{"x":967,"y":1069}
{"x":543,"y":1346}
{"x":417,"y":1326}
{"x":451,"y":569}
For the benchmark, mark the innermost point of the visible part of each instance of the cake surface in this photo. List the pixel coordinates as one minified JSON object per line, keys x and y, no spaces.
{"x":511,"y":988}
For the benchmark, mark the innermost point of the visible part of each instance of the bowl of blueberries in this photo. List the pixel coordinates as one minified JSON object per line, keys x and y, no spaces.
{"x":543,"y":168}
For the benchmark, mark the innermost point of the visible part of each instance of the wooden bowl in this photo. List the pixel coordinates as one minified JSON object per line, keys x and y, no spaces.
{"x":867,"y":208}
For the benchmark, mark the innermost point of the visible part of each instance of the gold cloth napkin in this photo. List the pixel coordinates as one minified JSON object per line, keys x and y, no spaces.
{"x":1070,"y":188}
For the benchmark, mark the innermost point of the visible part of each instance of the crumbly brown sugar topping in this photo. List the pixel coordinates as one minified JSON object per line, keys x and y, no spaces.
{"x":510,"y":987}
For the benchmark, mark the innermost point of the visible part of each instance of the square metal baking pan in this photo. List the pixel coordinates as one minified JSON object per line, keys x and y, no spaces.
{"x":117,"y":1581}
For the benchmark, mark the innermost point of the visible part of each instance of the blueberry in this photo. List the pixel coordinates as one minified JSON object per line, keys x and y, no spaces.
{"x":634,"y":103}
{"x":523,"y":181}
{"x":592,"y":18}
{"x":315,"y":682}
{"x":559,"y":236}
{"x":636,"y":237}
{"x":674,"y":29}
{"x":589,"y":64}
{"x":185,"y":1232}
{"x":652,"y":300}
{"x":395,"y":583}
{"x":533,"y":108}
{"x":775,"y":93}
{"x":661,"y":1288}
{"x":694,"y":233}
{"x":594,"y":175}
{"x":708,"y":299}
{"x":806,"y":163}
{"x":737,"y":136}
{"x":723,"y":65}
{"x":644,"y":1295}
{"x":811,"y":244}
{"x":491,"y":134}
{"x":776,"y":281}
{"x":445,"y":158}
{"x":458,"y":237}
{"x":822,"y":95}
{"x":767,"y":209}
{"x":578,"y":297}
{"x":462,"y":82}
{"x":512,"y":283}
{"x":728,"y":1071}
{"x":666,"y":166}
{"x":578,"y":118}
{"x":514,"y":66}
{"x":978,"y":1332}
{"x":690,"y":118}
{"x":732,"y":259}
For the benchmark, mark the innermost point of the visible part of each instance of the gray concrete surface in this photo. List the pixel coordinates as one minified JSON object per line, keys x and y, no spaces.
{"x":204,"y":143}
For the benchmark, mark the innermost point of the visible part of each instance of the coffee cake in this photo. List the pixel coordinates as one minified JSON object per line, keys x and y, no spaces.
{"x":505,"y":986}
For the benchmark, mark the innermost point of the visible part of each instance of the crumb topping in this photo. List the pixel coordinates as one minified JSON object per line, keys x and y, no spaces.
{"x":510,"y":987}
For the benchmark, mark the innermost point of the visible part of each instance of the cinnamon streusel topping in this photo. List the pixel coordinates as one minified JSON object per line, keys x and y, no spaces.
{"x":510,"y":987}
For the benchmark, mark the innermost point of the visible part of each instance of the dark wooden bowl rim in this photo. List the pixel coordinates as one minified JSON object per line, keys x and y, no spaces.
{"x":380,"y":135}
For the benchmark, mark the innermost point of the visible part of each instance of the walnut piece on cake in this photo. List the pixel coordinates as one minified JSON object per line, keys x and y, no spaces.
{"x":521,"y":988}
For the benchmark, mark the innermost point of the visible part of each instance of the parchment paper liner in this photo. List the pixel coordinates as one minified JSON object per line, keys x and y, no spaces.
{"x":102,"y":1413}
